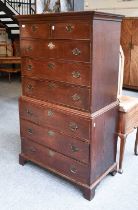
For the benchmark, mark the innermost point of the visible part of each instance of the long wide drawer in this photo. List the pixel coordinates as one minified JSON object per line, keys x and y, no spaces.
{"x":58,"y":49}
{"x":72,"y":72}
{"x":57,"y":92}
{"x":47,"y":115}
{"x":61,"y":143}
{"x":53,"y":160}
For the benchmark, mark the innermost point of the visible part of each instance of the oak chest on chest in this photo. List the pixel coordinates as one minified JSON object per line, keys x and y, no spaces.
{"x":68,"y":109}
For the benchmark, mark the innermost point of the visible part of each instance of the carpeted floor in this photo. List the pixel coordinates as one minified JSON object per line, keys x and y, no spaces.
{"x":33,"y":188}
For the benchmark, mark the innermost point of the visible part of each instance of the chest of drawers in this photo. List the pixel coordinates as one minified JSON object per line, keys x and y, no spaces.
{"x":68,"y":109}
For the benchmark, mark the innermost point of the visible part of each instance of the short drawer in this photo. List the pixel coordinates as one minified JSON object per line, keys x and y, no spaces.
{"x":57,"y":30}
{"x":68,"y":50}
{"x":56,"y":161}
{"x":71,"y":30}
{"x":52,"y":139}
{"x":72,"y":72}
{"x":40,"y":30}
{"x":58,"y":93}
{"x":48,"y":116}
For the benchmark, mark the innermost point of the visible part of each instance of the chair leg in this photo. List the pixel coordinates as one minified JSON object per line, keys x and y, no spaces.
{"x":122,"y":149}
{"x":136,"y":144}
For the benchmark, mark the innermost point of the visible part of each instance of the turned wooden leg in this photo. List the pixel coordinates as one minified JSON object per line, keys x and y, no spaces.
{"x":22,"y":160}
{"x":88,"y":193}
{"x":122,"y":149}
{"x":136,"y":144}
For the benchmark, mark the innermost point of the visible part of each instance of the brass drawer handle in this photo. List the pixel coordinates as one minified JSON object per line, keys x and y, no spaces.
{"x":29,"y":48}
{"x":29,"y":67}
{"x":51,"y":133}
{"x":76,"y":97}
{"x":50,"y":113}
{"x":30,"y":131}
{"x":34,"y":28}
{"x":32,"y":150}
{"x":29,"y":86}
{"x":69,"y":28}
{"x":76,"y":51}
{"x":51,"y":46}
{"x":74,"y":148}
{"x":51,"y":85}
{"x":73,"y":126}
{"x":51,"y":153}
{"x":29,"y":112}
{"x":73,"y":169}
{"x":76,"y":74}
{"x":51,"y":66}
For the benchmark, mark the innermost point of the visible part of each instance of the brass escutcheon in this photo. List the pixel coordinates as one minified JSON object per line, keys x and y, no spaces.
{"x":51,"y":66}
{"x":76,"y":74}
{"x":51,"y":133}
{"x":29,"y":67}
{"x":29,"y":48}
{"x":73,"y":126}
{"x":73,"y":169}
{"x":51,"y":46}
{"x":50,"y":113}
{"x":69,"y":28}
{"x":30,"y":131}
{"x":51,"y":153}
{"x":76,"y":97}
{"x":34,"y":28}
{"x":74,"y":148}
{"x":29,"y":86}
{"x":29,"y":112}
{"x":76,"y":51}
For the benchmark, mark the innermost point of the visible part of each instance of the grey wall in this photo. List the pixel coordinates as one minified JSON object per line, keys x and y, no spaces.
{"x":78,"y":5}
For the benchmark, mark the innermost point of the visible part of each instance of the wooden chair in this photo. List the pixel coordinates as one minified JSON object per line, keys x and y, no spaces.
{"x":128,"y":115}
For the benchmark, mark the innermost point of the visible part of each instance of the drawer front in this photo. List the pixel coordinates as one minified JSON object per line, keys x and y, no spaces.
{"x":43,"y":115}
{"x":71,"y":30}
{"x":35,"y":30}
{"x":69,"y":50}
{"x":71,"y":72}
{"x":58,"y":93}
{"x":61,"y":143}
{"x":56,"y":161}
{"x":57,"y":30}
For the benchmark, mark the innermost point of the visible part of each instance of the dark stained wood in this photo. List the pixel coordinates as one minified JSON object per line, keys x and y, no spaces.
{"x":58,"y":93}
{"x":134,"y":56}
{"x":106,"y":39}
{"x":55,"y":140}
{"x":129,"y":42}
{"x":69,"y":85}
{"x":70,"y":72}
{"x":56,"y":49}
{"x":104,"y":142}
{"x":69,"y":167}
{"x":35,"y":30}
{"x":64,"y":16}
{"x":126,"y":36}
{"x":71,"y":30}
{"x":68,"y":30}
{"x":50,"y":116}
